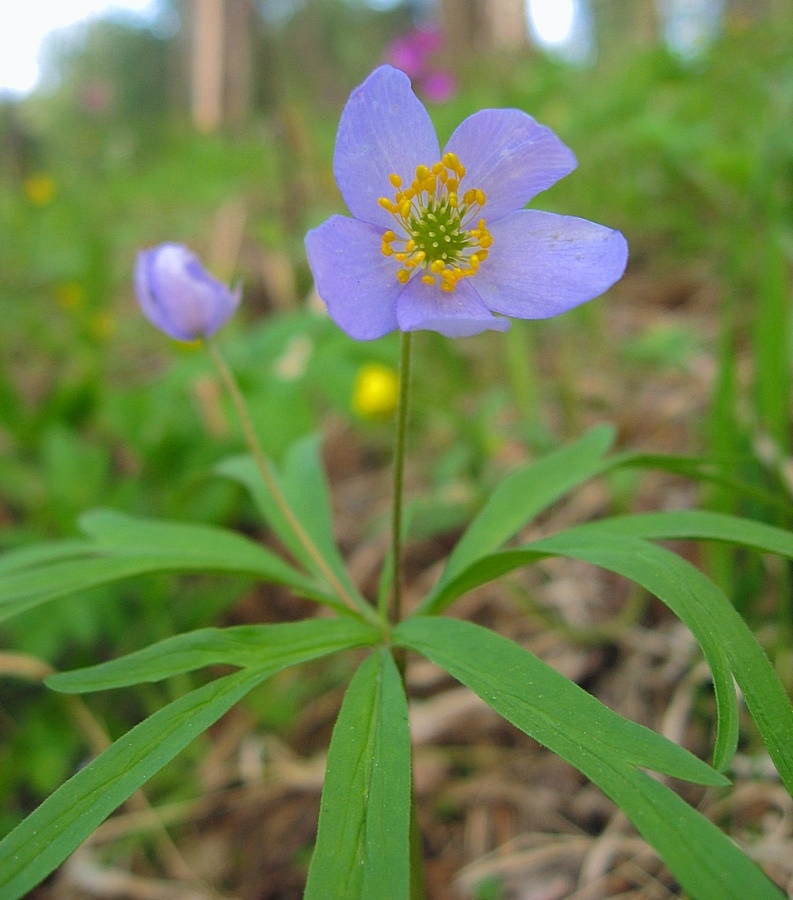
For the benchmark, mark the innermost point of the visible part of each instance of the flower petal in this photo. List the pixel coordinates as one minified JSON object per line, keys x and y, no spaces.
{"x":178,"y":296}
{"x":542,"y":264}
{"x":357,"y":283}
{"x":384,"y":128}
{"x":510,"y":156}
{"x":458,"y":313}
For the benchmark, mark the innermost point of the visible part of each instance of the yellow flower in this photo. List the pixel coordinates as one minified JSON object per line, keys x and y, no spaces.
{"x":376,"y":391}
{"x":40,"y":189}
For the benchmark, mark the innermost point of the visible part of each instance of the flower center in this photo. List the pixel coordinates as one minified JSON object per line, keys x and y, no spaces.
{"x":438,"y":230}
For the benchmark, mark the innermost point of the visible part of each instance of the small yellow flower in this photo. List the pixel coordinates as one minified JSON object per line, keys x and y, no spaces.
{"x":376,"y":391}
{"x":40,"y":189}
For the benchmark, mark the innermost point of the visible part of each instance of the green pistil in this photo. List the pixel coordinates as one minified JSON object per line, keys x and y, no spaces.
{"x":438,"y":232}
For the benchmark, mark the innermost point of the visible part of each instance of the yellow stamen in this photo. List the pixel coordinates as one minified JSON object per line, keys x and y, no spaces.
{"x":439,"y":229}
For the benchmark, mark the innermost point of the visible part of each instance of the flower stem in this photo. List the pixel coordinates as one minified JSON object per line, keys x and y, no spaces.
{"x":417,"y":885}
{"x":230,"y":383}
{"x":395,"y":610}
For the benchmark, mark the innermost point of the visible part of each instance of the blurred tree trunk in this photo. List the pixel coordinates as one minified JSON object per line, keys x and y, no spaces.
{"x":220,"y":68}
{"x":482,"y":25}
{"x":206,"y":58}
{"x":240,"y":24}
{"x":505,"y":23}
{"x":460,"y":26}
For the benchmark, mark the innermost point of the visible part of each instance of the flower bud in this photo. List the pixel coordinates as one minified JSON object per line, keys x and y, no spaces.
{"x":178,"y":296}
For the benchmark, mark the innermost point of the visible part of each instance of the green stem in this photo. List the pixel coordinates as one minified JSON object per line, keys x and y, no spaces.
{"x":417,"y":885}
{"x":230,"y":383}
{"x":395,"y":609}
{"x":521,"y":364}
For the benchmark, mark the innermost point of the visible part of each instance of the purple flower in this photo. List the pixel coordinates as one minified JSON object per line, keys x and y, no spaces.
{"x":413,"y":52}
{"x":441,"y":241}
{"x":438,"y":86}
{"x":178,"y":296}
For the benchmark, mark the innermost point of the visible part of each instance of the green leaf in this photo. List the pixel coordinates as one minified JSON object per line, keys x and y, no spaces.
{"x":520,"y":497}
{"x":66,"y":818}
{"x":247,"y":646}
{"x":363,"y":846}
{"x":305,"y":488}
{"x":718,"y":628}
{"x":203,"y":543}
{"x":671,"y":525}
{"x":480,"y":572}
{"x":604,"y":746}
{"x":43,"y":554}
{"x":303,"y":484}
{"x":698,"y":524}
{"x":728,"y":645}
{"x":705,"y":469}
{"x":244,"y":471}
{"x":673,"y":592}
{"x":24,"y":589}
{"x":552,"y":709}
{"x":772,"y":337}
